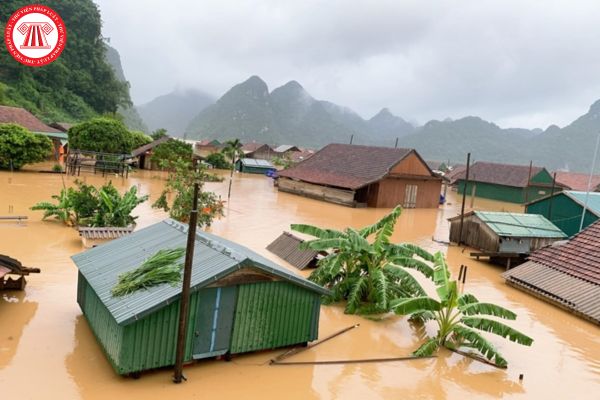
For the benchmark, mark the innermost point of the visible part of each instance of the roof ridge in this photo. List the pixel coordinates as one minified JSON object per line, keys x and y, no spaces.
{"x":217,"y":246}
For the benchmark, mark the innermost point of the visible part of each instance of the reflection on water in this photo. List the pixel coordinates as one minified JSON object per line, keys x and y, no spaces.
{"x":56,"y":346}
{"x":15,"y":314}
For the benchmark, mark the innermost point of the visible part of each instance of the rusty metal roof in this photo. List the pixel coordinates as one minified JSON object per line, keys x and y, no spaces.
{"x":577,"y":181}
{"x":347,"y":166}
{"x":104,"y":233}
{"x":287,"y":247}
{"x":557,"y":287}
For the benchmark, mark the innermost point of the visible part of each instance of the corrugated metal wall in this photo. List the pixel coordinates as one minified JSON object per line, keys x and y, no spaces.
{"x":566,"y":213}
{"x":150,"y":342}
{"x":273,"y":314}
{"x":104,"y":326}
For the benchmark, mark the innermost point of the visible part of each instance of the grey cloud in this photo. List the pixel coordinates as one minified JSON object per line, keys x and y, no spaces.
{"x":516,"y":63}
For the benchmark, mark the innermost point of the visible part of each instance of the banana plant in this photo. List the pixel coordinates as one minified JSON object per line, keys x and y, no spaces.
{"x":364,"y":267}
{"x":114,"y":209}
{"x":62,"y":210}
{"x":459,"y":318}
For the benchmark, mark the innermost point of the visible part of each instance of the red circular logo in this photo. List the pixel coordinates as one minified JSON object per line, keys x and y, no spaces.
{"x":35,"y":35}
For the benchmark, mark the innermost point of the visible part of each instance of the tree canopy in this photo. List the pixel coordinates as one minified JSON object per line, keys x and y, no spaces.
{"x":102,"y":135}
{"x":170,"y":151}
{"x":18,"y":146}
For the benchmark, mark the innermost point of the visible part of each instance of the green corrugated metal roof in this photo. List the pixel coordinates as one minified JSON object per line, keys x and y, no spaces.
{"x":256,"y":162}
{"x":214,"y":258}
{"x":57,"y":135}
{"x":520,"y":225}
{"x":593,"y":203}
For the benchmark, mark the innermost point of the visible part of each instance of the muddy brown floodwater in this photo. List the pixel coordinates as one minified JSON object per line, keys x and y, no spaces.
{"x":48,"y":351}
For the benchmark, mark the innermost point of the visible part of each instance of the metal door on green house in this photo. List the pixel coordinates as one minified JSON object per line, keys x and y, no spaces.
{"x":214,"y":320}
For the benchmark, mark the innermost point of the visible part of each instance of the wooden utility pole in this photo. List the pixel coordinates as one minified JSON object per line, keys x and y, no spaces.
{"x":396,"y":145}
{"x":462,"y":209}
{"x":551,"y":197}
{"x":185,"y":289}
{"x":528,"y":180}
{"x":351,"y":138}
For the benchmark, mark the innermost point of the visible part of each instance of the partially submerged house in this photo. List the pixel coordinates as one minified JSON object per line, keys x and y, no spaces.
{"x":565,"y":209}
{"x":566,"y":274}
{"x":503,"y":236}
{"x":143,"y":154}
{"x":370,"y":176}
{"x":20,"y":116}
{"x":254,"y":166}
{"x":504,"y":182}
{"x":205,"y":148}
{"x":259,"y":151}
{"x":285,"y":149}
{"x":11,"y":267}
{"x":287,"y":247}
{"x":94,"y":236}
{"x":240,"y":301}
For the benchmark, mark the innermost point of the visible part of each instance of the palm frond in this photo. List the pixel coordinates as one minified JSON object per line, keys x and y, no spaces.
{"x":414,"y":305}
{"x":412,"y":263}
{"x":480,"y":343}
{"x":487,"y":309}
{"x":427,"y":348}
{"x":402,"y":277}
{"x":316,"y":231}
{"x":380,"y":282}
{"x":410,"y":250}
{"x":467,"y":298}
{"x":355,"y":296}
{"x":497,"y":328}
{"x":391,"y":217}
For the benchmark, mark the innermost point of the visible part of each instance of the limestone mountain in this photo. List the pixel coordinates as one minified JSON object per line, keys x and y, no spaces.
{"x":131,"y":118}
{"x":288,"y":114}
{"x":174,"y":111}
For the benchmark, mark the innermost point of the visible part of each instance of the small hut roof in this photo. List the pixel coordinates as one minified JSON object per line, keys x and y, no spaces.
{"x":214,"y":258}
{"x":285,"y":147}
{"x":287,"y":246}
{"x":142,"y":149}
{"x":348,"y":166}
{"x":500,"y":174}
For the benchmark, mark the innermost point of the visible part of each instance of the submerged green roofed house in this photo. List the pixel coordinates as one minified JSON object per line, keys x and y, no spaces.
{"x":564,"y":209}
{"x":504,"y":182}
{"x":504,"y":236}
{"x":240,"y":301}
{"x":254,"y":166}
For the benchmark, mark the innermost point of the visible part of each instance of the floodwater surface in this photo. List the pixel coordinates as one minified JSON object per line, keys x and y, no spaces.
{"x":48,"y":351}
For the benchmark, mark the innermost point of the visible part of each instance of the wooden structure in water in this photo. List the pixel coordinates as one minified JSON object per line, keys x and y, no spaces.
{"x":364,"y":176}
{"x":95,"y":162}
{"x":287,"y":247}
{"x":10,"y":266}
{"x":504,"y":237}
{"x":94,"y":236}
{"x":240,"y":301}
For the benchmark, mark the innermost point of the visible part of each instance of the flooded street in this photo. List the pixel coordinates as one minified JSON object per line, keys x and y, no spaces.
{"x":48,"y":351}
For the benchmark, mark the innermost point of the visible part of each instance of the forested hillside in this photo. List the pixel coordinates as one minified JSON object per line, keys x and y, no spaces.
{"x":79,"y":84}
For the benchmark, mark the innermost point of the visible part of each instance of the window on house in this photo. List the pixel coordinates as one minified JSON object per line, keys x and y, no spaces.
{"x":410,"y":196}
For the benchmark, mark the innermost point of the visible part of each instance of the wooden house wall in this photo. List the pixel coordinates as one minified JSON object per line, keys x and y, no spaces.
{"x":319,"y":192}
{"x":565,"y":213}
{"x":390,"y":192}
{"x":475,"y":234}
{"x":411,"y":165}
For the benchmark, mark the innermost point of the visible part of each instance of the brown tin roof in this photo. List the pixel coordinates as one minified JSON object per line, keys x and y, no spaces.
{"x":500,"y":174}
{"x":20,"y":116}
{"x":577,"y":181}
{"x":566,"y":273}
{"x":348,"y":166}
{"x":142,"y":149}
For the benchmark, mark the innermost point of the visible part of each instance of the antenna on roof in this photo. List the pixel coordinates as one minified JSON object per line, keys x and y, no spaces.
{"x":589,"y":186}
{"x":396,"y":145}
{"x":351,"y":138}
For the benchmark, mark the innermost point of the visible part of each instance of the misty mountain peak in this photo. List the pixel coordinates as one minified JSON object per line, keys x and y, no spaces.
{"x":595,"y":108}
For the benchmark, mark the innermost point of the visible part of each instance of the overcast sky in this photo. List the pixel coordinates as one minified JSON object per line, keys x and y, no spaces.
{"x":517,"y":63}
